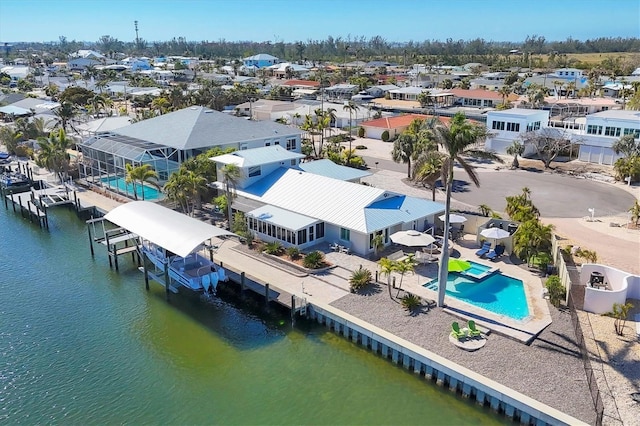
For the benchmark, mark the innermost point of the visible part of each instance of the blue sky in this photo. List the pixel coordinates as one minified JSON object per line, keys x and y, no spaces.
{"x":288,"y":20}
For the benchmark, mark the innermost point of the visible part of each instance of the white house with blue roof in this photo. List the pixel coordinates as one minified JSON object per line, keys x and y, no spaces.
{"x":302,"y":209}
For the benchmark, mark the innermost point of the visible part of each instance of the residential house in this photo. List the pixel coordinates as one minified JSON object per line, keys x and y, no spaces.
{"x":394,"y":125}
{"x":288,"y":70}
{"x":89,"y":54}
{"x":303,"y":209}
{"x":166,"y":141}
{"x":381,"y":90}
{"x":508,"y":125}
{"x":476,"y":98}
{"x":260,"y":60}
{"x":81,"y":64}
{"x":406,"y":93}
{"x":341,"y":91}
{"x":597,"y":133}
{"x":568,"y":73}
{"x":16,"y":72}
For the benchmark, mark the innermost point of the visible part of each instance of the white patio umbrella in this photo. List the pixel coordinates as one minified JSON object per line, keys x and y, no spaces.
{"x":453,"y":218}
{"x":494,"y":233}
{"x":411,"y":238}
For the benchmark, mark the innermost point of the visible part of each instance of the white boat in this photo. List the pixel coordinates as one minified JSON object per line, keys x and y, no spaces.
{"x":194,"y":271}
{"x":173,"y":243}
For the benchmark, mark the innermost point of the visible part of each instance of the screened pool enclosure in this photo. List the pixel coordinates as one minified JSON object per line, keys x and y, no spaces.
{"x":105,"y":156}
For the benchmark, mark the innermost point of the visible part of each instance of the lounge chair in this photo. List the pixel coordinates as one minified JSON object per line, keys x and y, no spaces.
{"x":486,"y":246}
{"x":456,"y":332}
{"x":473,"y":331}
{"x":495,"y":253}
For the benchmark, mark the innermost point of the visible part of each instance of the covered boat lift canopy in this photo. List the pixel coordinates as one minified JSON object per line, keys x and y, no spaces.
{"x":164,"y":227}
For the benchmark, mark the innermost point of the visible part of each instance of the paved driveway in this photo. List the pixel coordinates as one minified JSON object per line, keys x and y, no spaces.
{"x":554,"y":195}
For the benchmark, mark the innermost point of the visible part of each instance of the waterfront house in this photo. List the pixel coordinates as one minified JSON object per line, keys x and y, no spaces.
{"x":260,"y":60}
{"x":300,"y":209}
{"x":166,"y":141}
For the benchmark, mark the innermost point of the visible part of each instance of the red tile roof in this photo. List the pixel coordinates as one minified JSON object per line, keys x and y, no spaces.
{"x":476,"y":94}
{"x":308,"y":83}
{"x":399,"y":121}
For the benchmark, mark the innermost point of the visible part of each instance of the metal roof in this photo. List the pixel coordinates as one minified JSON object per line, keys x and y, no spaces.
{"x":121,"y":146}
{"x":400,"y":209}
{"x":328,"y":168}
{"x":164,"y":227}
{"x":281,"y":217}
{"x":200,"y":127}
{"x":334,"y":201}
{"x":258,"y":156}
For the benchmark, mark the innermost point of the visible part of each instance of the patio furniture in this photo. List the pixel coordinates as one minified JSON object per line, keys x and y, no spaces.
{"x":473,"y":331}
{"x":486,"y":246}
{"x":495,"y":253}
{"x":334,"y":247}
{"x":456,"y":332}
{"x":345,"y":250}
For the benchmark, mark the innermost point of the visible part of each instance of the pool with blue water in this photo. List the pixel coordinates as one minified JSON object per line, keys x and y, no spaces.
{"x":497,"y":293}
{"x":144,"y":192}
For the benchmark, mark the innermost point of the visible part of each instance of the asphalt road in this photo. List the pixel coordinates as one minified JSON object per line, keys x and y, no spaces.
{"x":553,"y":194}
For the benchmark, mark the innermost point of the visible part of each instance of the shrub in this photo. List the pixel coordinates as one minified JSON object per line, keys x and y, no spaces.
{"x":361,"y":132}
{"x":410,"y":302}
{"x":293,"y":253}
{"x":385,"y":136}
{"x":274,"y":248}
{"x":589,"y":255}
{"x":359,"y":279}
{"x":314,"y":260}
{"x":556,"y":290}
{"x":619,"y":312}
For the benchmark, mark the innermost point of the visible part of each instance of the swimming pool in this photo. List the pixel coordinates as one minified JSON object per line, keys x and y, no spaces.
{"x":478,"y":270}
{"x":497,"y":293}
{"x":150,"y":193}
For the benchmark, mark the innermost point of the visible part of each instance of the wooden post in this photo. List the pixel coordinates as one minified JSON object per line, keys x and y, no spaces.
{"x":29,"y":212}
{"x":293,"y":310}
{"x":166,"y":278}
{"x":266,"y":295}
{"x":21,"y":208}
{"x":115,"y":255}
{"x":376,"y":277}
{"x":75,"y":200}
{"x":242,"y":283}
{"x":13,"y":203}
{"x":146,"y":270}
{"x":90,"y":240}
{"x":46,"y":217}
{"x":4,"y":195}
{"x":393,"y":282}
{"x":106,"y":237}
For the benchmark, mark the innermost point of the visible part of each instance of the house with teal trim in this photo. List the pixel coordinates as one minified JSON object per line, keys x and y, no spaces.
{"x":260,"y":60}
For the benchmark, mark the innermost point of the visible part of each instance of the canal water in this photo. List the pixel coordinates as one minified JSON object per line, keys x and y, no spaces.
{"x":81,"y":344}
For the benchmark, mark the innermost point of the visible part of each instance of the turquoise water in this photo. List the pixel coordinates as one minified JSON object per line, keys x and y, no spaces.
{"x":149,"y":192}
{"x":477,"y":269}
{"x":82,"y":344}
{"x":497,"y":293}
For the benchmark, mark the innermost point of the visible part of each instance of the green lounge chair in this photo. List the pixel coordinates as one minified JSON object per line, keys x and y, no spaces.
{"x":456,"y":332}
{"x":473,"y":331}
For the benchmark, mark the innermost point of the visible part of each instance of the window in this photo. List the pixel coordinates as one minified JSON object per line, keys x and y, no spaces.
{"x":276,"y":143}
{"x":498,"y":125}
{"x":291,"y":144}
{"x":612,"y":131}
{"x":513,"y":127}
{"x":594,"y":130}
{"x":533,"y":126}
{"x":302,"y":236}
{"x":320,"y":230}
{"x":294,"y":162}
{"x":255,"y":171}
{"x":311,"y":229}
{"x":345,"y":234}
{"x":267,"y":144}
{"x":635,"y":132}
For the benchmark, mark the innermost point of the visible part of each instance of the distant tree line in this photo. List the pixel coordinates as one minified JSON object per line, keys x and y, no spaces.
{"x":340,"y":49}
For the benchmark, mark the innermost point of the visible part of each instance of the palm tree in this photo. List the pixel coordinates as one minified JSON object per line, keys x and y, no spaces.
{"x":10,"y":138}
{"x":403,"y":267}
{"x":331,"y":113}
{"x":456,"y":140}
{"x":427,"y":169}
{"x":65,"y":113}
{"x":571,"y":88}
{"x":387,"y":266}
{"x":635,"y":213}
{"x":140,"y":174}
{"x":515,"y":149}
{"x":404,"y":149}
{"x":53,"y":153}
{"x":351,"y":107}
{"x":230,"y":176}
{"x":505,"y":91}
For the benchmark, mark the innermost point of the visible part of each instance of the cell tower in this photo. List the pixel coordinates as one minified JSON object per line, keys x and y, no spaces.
{"x":135,"y":23}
